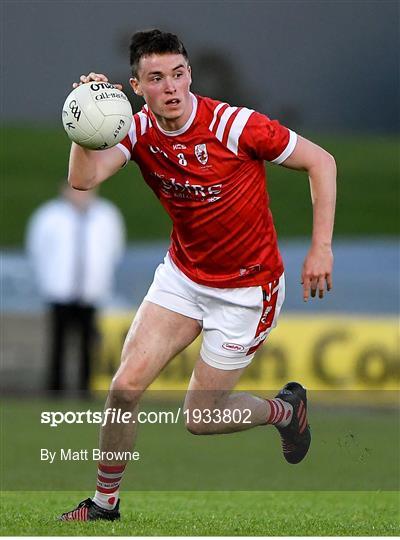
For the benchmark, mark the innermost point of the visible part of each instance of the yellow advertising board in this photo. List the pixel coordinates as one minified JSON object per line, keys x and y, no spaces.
{"x":323,"y":352}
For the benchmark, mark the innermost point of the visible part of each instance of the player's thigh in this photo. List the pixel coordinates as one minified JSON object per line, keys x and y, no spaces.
{"x":156,"y":335}
{"x":235,"y":324}
{"x":209,"y":387}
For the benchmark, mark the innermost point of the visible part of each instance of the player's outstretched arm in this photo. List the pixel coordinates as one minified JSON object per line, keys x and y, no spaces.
{"x":88,"y":168}
{"x":321,"y":168}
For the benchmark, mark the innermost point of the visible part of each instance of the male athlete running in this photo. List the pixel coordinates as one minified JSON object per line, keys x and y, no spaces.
{"x":223,"y":274}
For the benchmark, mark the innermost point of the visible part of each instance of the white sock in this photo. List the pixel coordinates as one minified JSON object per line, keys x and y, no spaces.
{"x":107,"y":489}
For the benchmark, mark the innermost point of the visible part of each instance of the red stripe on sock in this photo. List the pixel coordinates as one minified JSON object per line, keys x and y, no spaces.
{"x":107,"y":486}
{"x":107,"y":491}
{"x":272,"y":414}
{"x":111,"y":468}
{"x":108,"y":480}
{"x":281,"y":413}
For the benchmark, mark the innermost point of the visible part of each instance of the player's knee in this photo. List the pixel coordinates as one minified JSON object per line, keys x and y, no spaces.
{"x":198,"y":428}
{"x":195,"y":429}
{"x":126,"y":389}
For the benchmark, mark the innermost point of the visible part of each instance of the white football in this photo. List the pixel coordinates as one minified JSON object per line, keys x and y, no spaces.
{"x":97,"y":115}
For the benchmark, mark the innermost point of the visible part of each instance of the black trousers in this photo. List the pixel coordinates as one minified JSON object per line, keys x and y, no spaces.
{"x":67,"y":319}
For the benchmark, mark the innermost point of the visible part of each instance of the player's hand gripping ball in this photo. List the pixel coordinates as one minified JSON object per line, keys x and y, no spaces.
{"x":97,"y":115}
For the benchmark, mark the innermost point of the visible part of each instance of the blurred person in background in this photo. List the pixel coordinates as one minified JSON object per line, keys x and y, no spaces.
{"x":75,"y":243}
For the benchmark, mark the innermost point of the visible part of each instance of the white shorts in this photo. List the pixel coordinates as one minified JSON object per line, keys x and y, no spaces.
{"x":235,"y":322}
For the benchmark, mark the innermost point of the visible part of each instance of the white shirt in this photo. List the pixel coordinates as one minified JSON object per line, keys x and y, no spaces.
{"x":75,"y":253}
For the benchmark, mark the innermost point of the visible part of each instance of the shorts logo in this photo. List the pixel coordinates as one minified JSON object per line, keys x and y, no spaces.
{"x":232,"y":347}
{"x":264,"y":317}
{"x":200,"y":151}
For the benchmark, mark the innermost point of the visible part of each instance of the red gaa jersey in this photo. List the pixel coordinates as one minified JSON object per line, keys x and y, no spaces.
{"x":210,"y":177}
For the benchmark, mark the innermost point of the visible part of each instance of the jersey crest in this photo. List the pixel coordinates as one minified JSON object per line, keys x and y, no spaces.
{"x":200,"y":151}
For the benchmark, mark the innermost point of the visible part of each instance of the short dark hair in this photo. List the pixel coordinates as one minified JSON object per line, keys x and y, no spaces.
{"x":153,"y":42}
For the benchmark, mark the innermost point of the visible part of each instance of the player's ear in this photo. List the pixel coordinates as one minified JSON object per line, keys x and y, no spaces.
{"x":190,"y":73}
{"x":136,"y":86}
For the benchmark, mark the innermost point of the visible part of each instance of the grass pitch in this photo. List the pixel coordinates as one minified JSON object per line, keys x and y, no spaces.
{"x":352,"y":450}
{"x":210,"y":513}
{"x":203,"y":486}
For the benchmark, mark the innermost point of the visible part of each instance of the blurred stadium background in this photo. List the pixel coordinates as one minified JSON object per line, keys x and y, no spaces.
{"x":330,"y":71}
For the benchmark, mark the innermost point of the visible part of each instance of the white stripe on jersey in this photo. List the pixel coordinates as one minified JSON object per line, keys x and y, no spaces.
{"x":143,"y":122}
{"x":125,"y":151}
{"x":216,"y":111}
{"x":223,"y":121}
{"x":132,"y":133}
{"x":132,"y":138}
{"x":288,"y":150}
{"x":237,"y":128}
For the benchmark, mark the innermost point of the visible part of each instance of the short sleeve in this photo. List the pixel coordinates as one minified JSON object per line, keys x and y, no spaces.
{"x":263,"y":138}
{"x":128,"y":142}
{"x":124,"y":147}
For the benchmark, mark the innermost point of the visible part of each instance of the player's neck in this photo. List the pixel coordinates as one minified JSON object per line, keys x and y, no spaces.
{"x":177,"y":123}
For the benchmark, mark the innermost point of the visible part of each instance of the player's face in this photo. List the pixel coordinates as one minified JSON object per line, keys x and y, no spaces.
{"x":164,"y":82}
